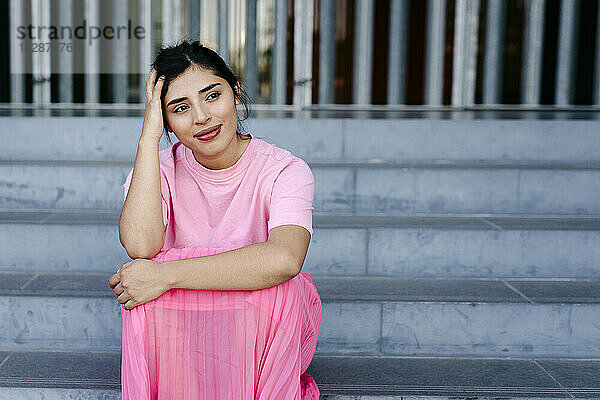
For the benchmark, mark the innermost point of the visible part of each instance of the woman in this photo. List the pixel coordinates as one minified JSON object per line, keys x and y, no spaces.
{"x":214,"y":304}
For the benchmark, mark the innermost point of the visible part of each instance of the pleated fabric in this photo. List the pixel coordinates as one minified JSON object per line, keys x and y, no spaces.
{"x":222,"y":344}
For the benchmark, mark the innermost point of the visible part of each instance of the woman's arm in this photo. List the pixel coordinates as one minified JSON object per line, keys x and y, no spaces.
{"x":141,"y":229}
{"x":253,"y":267}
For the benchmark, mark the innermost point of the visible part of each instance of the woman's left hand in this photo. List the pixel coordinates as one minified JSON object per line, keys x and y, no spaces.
{"x":138,"y":281}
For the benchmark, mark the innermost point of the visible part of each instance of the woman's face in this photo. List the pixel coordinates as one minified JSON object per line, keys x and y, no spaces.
{"x":199,"y":99}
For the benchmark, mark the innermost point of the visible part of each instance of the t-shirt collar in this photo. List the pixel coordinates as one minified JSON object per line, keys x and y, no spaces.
{"x":221,"y":174}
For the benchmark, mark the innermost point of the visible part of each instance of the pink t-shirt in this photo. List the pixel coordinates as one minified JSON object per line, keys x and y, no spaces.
{"x":236,"y":206}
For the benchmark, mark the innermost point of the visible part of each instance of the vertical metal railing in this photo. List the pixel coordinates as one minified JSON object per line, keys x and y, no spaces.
{"x":434,"y":53}
{"x":397,"y":51}
{"x":17,"y":56}
{"x":145,"y":15}
{"x":326,"y":51}
{"x":363,"y":51}
{"x":236,"y":29}
{"x":494,"y":44}
{"x":65,"y":61}
{"x":278,"y":71}
{"x":92,"y":55}
{"x":251,"y":60}
{"x":173,"y":21}
{"x":465,"y":45}
{"x":223,"y":37}
{"x":120,"y":56}
{"x":569,"y":11}
{"x":237,"y":33}
{"x":531,"y":83}
{"x":303,"y":51}
{"x":195,"y":16}
{"x":40,"y":60}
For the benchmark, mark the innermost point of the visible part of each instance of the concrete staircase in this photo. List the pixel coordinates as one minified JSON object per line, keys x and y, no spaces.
{"x":454,"y":258}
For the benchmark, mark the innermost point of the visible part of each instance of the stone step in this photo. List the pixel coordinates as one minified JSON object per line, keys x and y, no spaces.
{"x":410,"y":245}
{"x":342,"y":244}
{"x":398,"y":316}
{"x":392,"y":187}
{"x":112,"y":137}
{"x":96,"y":375}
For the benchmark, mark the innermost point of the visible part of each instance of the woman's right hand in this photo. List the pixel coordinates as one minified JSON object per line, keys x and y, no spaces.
{"x":153,"y":118}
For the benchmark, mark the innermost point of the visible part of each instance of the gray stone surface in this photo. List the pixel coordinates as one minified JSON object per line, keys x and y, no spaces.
{"x":560,"y":192}
{"x":493,"y":253}
{"x":338,"y":188}
{"x":16,"y":393}
{"x":61,"y":247}
{"x":81,"y":370}
{"x":353,"y":288}
{"x":305,"y":138}
{"x":377,"y":163}
{"x":381,"y":220}
{"x":24,"y":216}
{"x":334,"y":189}
{"x":394,"y":316}
{"x":62,"y":186}
{"x":490,"y":329}
{"x":340,"y":135}
{"x":14,"y":280}
{"x":436,"y":191}
{"x":70,"y":137}
{"x":345,"y":244}
{"x":433,"y":376}
{"x":559,"y":291}
{"x":55,"y":284}
{"x":333,"y":288}
{"x":414,"y":289}
{"x":412,"y":190}
{"x":40,"y":374}
{"x":80,"y":217}
{"x":72,"y":284}
{"x":342,"y":220}
{"x":490,"y":139}
{"x":337,"y":252}
{"x":42,"y":322}
{"x":350,"y":328}
{"x":547,"y":222}
{"x":579,"y":377}
{"x":402,"y":397}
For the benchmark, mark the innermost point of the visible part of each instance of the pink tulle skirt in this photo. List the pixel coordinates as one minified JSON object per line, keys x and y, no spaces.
{"x":222,"y":344}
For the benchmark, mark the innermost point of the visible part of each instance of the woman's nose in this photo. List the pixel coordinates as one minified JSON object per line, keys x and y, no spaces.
{"x":200,"y":115}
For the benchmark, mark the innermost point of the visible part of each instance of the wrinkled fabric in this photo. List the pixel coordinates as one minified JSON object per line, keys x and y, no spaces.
{"x":222,"y":344}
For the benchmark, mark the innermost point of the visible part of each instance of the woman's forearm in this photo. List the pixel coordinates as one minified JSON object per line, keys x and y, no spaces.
{"x":141,"y":229}
{"x":253,"y":267}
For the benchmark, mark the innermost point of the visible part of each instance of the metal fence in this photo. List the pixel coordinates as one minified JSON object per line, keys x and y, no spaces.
{"x":307,"y":53}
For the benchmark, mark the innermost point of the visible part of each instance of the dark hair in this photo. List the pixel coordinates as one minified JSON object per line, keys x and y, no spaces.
{"x":174,"y":60}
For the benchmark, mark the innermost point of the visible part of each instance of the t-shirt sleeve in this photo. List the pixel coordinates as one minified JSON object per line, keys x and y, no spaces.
{"x":292,"y":196}
{"x":165,"y":194}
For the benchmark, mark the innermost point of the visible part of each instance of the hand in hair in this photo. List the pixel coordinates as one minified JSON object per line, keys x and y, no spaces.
{"x":153,"y":118}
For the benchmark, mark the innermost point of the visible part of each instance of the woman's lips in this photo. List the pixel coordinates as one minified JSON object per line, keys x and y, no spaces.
{"x":209,"y":136}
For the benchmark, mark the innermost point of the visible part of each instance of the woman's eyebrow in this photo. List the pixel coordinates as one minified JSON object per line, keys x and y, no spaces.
{"x":209,"y":87}
{"x":185,"y":98}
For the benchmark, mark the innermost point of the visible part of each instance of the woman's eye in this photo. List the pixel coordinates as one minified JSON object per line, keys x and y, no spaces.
{"x":217,"y":94}
{"x":178,"y":109}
